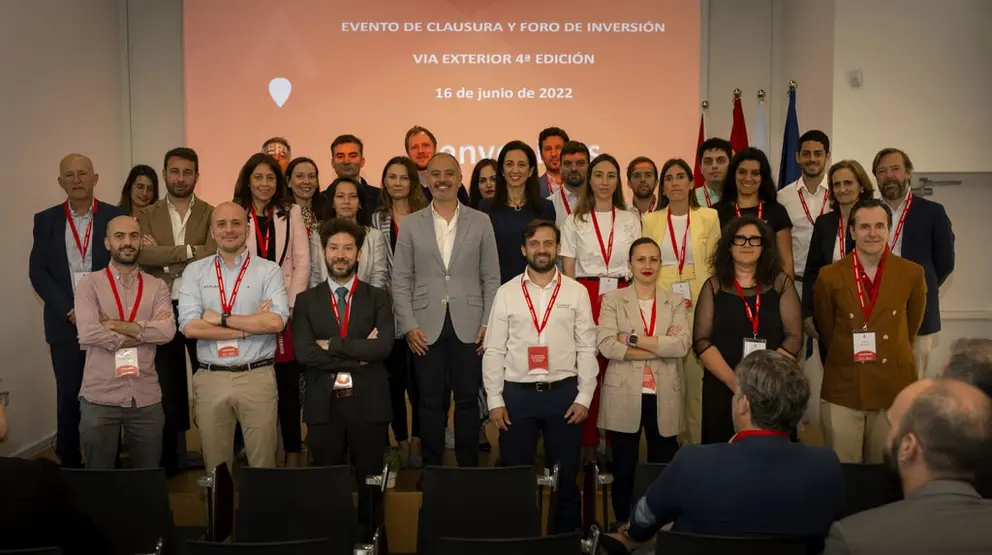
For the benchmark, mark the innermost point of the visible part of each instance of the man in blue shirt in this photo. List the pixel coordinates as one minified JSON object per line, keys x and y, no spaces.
{"x":234,"y":303}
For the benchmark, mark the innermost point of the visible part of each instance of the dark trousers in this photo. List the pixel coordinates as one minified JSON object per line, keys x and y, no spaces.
{"x":347,"y":432}
{"x":449,"y":365}
{"x":170,"y":363}
{"x":401,"y":384}
{"x":626,"y":448}
{"x":288,"y":407}
{"x":68,"y":361}
{"x":533,"y":411}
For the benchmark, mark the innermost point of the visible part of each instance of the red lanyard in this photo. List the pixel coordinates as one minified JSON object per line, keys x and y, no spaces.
{"x":263,"y":241}
{"x":752,"y":433}
{"x":761,"y":209}
{"x":83,"y":245}
{"x":607,"y":251}
{"x":553,"y":184}
{"x":706,"y":193}
{"x":347,"y":309}
{"x":826,"y":198}
{"x":650,"y":208}
{"x":654,"y":318}
{"x":841,"y":236}
{"x":547,"y":311}
{"x":117,"y":297}
{"x":564,"y":200}
{"x":752,"y":316}
{"x":902,"y":220}
{"x":867,"y":308}
{"x":685,"y":236}
{"x":225,"y":306}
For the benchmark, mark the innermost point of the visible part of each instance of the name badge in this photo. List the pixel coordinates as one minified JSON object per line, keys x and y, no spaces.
{"x":752,"y":345}
{"x":648,"y":384}
{"x":682,"y":288}
{"x":342,"y":381}
{"x":226,"y":349}
{"x":126,"y":363}
{"x":76,"y":276}
{"x":537,"y":360}
{"x":607,"y":284}
{"x":864,"y":346}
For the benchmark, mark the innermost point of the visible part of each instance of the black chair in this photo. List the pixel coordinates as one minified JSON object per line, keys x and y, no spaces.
{"x":302,"y":547}
{"x":219,"y":496}
{"x":676,"y":543}
{"x":130,"y":506}
{"x":644,"y":476}
{"x":459,"y":503}
{"x":562,"y":544}
{"x":32,"y":551}
{"x":289,"y":504}
{"x":869,"y":486}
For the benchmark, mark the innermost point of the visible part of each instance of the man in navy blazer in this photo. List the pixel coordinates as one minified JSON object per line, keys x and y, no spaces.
{"x":921,"y":233}
{"x":68,"y":244}
{"x":759,"y":484}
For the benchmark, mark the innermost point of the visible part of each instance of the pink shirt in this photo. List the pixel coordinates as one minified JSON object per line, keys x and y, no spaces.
{"x":95,"y":303}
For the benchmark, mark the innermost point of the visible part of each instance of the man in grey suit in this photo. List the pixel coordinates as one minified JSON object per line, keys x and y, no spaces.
{"x":941,"y":437}
{"x":445,"y":275}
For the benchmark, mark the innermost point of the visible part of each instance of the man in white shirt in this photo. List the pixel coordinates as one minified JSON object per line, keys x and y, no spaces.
{"x":539,"y":367}
{"x":574,"y":172}
{"x":642,"y":178}
{"x":806,"y":198}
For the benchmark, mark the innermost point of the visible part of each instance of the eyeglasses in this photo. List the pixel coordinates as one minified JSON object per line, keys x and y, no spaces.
{"x":753,"y":240}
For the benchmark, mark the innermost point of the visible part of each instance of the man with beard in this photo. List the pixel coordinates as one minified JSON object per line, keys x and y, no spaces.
{"x":421,"y":146}
{"x":343,"y":348}
{"x":278,"y":148}
{"x":714,"y":158}
{"x":642,"y":178}
{"x":549,"y":144}
{"x":540,"y":366}
{"x":122,"y":313}
{"x":922,"y":234}
{"x":808,"y":197}
{"x":348,"y":158}
{"x":940,"y":439}
{"x":574,"y":172}
{"x":175,"y":232}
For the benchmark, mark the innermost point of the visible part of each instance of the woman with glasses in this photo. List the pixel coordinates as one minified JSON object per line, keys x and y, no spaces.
{"x":140,"y":190}
{"x":758,"y":308}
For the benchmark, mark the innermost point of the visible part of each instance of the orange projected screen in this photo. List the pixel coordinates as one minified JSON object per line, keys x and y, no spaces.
{"x":622,"y":77}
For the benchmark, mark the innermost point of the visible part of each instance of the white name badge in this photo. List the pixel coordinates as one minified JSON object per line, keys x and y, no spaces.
{"x":342,"y":381}
{"x":752,"y":345}
{"x":76,"y":276}
{"x":682,"y":288}
{"x":227,"y":349}
{"x":607,"y":284}
{"x":126,"y":363}
{"x":864,"y":346}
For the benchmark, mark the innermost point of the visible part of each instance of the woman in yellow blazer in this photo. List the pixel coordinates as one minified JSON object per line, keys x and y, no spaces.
{"x":688,"y":235}
{"x":644,"y":333}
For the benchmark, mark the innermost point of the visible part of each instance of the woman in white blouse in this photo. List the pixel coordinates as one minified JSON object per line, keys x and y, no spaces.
{"x":348,"y":202}
{"x":595,"y":243}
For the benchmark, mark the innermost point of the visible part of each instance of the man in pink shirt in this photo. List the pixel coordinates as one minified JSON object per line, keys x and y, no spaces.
{"x":122,"y":313}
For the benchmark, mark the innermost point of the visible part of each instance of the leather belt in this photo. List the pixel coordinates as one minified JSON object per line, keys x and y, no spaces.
{"x":623,"y":281}
{"x":541,"y":387}
{"x":237,"y":367}
{"x":341,"y":393}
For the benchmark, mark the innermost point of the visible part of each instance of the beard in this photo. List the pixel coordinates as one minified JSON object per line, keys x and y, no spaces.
{"x":340,"y":274}
{"x":540,"y":267}
{"x":125,"y":257}
{"x":179,"y":190}
{"x":573,"y":179}
{"x":892,"y":189}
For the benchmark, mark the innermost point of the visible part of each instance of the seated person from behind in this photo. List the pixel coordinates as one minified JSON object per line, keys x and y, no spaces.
{"x":940,"y":437}
{"x":758,"y":484}
{"x":971,"y":362}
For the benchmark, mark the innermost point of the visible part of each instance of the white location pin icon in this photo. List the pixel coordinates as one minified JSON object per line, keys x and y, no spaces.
{"x":279,"y":89}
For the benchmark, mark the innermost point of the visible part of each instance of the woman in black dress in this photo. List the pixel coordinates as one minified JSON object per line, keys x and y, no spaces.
{"x":749,"y":304}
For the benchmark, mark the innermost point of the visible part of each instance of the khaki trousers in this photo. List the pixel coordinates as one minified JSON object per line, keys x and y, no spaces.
{"x":221,"y":399}
{"x":858,"y":436}
{"x":921,"y":354}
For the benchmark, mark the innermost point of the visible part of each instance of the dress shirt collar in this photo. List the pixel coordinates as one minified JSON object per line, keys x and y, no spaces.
{"x":436,"y":216}
{"x":552,"y":283}
{"x":78,"y":216}
{"x":238,"y":260}
{"x":172,"y":207}
{"x":118,"y":276}
{"x":335,"y":285}
{"x":820,"y":187}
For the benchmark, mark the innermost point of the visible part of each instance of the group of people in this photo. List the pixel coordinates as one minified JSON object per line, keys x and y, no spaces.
{"x":581,"y":318}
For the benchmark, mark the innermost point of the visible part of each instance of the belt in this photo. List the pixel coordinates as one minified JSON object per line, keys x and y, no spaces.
{"x":544,"y":386}
{"x":340,"y":393}
{"x":798,"y":279}
{"x":596,"y":279}
{"x":237,"y":367}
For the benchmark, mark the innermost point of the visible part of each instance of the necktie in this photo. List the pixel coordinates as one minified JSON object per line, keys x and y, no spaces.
{"x":342,"y":293}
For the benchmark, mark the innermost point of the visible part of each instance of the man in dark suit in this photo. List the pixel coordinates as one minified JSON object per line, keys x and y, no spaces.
{"x":348,"y":158}
{"x":549,"y":144}
{"x":759,"y":484}
{"x":922,"y":234}
{"x":67,"y":246}
{"x":342,"y":333}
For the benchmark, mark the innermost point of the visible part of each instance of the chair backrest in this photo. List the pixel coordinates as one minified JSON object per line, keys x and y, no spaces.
{"x":644,"y":476}
{"x":457,"y":503}
{"x":32,"y":551}
{"x":562,"y":544}
{"x":223,"y":503}
{"x":130,"y":506}
{"x":869,"y":486}
{"x":288,"y":504}
{"x":676,"y":543}
{"x":320,"y":546}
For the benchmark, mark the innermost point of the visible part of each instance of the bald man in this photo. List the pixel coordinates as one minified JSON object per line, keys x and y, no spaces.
{"x":122,"y":314}
{"x":234,"y":304}
{"x":67,"y":246}
{"x":940,"y":438}
{"x":445,"y":275}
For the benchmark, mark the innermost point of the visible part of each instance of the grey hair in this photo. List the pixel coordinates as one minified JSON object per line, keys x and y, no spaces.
{"x":971,"y":362}
{"x":776,"y":389}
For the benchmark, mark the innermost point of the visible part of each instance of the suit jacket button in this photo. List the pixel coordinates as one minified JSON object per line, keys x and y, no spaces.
{"x":885,"y":337}
{"x":894,"y":312}
{"x":851,"y":316}
{"x":884,"y":360}
{"x":446,"y":278}
{"x":444,"y":300}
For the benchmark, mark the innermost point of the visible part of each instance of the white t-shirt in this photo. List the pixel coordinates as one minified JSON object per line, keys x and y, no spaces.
{"x":579,"y":241}
{"x":668,"y":257}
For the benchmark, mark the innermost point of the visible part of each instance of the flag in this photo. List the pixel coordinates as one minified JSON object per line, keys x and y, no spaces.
{"x":738,"y":133}
{"x":789,"y":170}
{"x":697,"y":173}
{"x":760,"y":129}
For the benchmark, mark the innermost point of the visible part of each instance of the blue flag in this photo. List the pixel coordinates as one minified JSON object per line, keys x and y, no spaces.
{"x":789,"y":171}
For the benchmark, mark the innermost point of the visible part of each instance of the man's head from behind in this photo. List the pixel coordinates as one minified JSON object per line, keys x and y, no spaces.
{"x":940,"y":429}
{"x":971,"y":362}
{"x":772,"y":393}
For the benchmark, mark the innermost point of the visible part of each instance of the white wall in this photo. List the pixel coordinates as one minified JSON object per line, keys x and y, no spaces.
{"x":63,"y":92}
{"x":806,"y":53}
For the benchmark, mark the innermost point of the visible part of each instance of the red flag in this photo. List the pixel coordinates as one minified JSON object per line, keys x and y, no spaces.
{"x":738,"y":133}
{"x":697,"y":173}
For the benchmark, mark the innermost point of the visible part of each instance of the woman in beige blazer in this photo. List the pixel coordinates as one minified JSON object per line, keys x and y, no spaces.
{"x":685,"y":262}
{"x":644,"y":333}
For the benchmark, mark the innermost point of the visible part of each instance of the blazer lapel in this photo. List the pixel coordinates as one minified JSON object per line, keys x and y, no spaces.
{"x":282,"y":237}
{"x":631,"y":310}
{"x":428,"y":223}
{"x":196,"y":219}
{"x":61,"y":256}
{"x":324,"y":294}
{"x":101,"y":256}
{"x":162,"y":222}
{"x":461,"y":232}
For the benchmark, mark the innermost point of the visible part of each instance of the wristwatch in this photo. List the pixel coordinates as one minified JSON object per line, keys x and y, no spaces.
{"x":631,"y":339}
{"x":223,"y":319}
